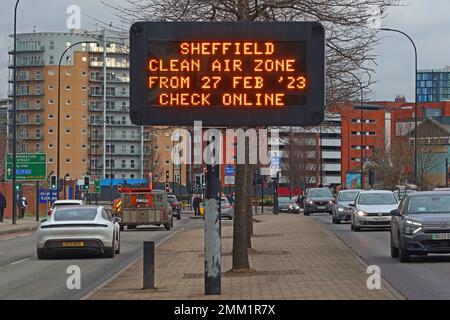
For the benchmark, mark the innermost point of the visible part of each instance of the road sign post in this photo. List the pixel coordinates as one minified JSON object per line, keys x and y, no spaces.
{"x":29,"y":167}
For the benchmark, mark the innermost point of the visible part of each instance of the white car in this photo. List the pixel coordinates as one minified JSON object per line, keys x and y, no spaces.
{"x":372,"y":209}
{"x":60,"y":203}
{"x":80,"y":229}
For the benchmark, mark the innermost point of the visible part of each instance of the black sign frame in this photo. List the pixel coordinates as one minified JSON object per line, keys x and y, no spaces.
{"x":312,"y":33}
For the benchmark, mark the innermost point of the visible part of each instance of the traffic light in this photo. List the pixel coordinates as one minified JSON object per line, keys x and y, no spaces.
{"x":203,"y":179}
{"x":371,"y":178}
{"x":18,"y":187}
{"x":53,"y":182}
{"x":167,"y":187}
{"x":86,"y":182}
{"x":167,"y":175}
{"x":198,"y":182}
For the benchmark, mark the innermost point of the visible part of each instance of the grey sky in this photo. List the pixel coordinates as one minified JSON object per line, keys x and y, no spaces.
{"x":426,"y":21}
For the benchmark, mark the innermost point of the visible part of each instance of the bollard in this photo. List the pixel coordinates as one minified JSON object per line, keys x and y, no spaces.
{"x":149,"y":265}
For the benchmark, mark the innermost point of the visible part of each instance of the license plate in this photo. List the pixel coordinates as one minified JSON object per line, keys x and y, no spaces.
{"x":321,"y":207}
{"x":73,"y":244}
{"x":440,"y":236}
{"x":381,"y":219}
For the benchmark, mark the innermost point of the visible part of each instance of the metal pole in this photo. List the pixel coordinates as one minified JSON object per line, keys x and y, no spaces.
{"x":104,"y":105}
{"x":173,"y":170}
{"x":262,"y":197}
{"x":14,"y":139}
{"x":37,"y":200}
{"x":415,"y":98}
{"x":149,"y":265}
{"x":58,"y":149}
{"x":320,"y":156}
{"x":446,"y":172}
{"x":212,"y":241}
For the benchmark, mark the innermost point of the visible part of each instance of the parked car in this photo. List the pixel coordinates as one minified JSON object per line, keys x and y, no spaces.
{"x":79,"y":228}
{"x":318,"y":200}
{"x":342,"y":209}
{"x":226,"y":209}
{"x":283,"y":204}
{"x":372,"y":209}
{"x":294,"y":207}
{"x":61,"y":203}
{"x":421,"y":225}
{"x":175,"y":205}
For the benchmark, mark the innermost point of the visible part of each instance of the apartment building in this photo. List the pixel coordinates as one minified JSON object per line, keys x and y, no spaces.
{"x":107,"y":145}
{"x":433,"y":85}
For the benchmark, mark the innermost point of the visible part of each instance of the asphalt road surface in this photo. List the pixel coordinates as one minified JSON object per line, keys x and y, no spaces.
{"x":22,"y":276}
{"x":422,"y":278}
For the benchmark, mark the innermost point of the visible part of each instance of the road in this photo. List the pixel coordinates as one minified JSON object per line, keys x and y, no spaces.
{"x":422,"y":278}
{"x":22,"y":276}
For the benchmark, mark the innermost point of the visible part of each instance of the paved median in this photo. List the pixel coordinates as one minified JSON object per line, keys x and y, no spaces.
{"x":294,"y":257}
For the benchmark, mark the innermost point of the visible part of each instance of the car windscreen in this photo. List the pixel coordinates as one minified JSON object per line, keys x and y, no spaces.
{"x":319,"y":193}
{"x":348,"y":196}
{"x":284,"y":200}
{"x":429,"y":204}
{"x":65,"y":204}
{"x":172,"y":199}
{"x":75,"y":214}
{"x":377,"y":199}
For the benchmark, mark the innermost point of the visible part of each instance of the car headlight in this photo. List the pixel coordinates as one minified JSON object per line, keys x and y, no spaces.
{"x":310,"y":202}
{"x":361,"y":213}
{"x":291,"y":207}
{"x":331,"y":201}
{"x":340,"y":209}
{"x":412,"y":227}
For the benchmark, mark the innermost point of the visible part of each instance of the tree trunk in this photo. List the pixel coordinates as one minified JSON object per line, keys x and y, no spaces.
{"x":240,"y":230}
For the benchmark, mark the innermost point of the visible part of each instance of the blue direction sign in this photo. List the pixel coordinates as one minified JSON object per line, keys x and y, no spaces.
{"x":230,"y":170}
{"x":46,"y":195}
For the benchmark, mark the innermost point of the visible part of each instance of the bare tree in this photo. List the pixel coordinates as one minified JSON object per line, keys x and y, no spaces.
{"x":301,"y":161}
{"x":350,"y":40}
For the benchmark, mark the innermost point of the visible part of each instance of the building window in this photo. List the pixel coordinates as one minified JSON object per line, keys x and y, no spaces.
{"x":68,"y":131}
{"x":68,"y":146}
{"x":83,"y":74}
{"x":50,"y":146}
{"x":50,"y":160}
{"x":124,"y":165}
{"x":156,"y":147}
{"x":50,"y":131}
{"x":68,"y":73}
{"x":167,"y":161}
{"x":50,"y":116}
{"x":50,"y":87}
{"x":83,"y":160}
{"x":132,"y":149}
{"x":83,"y":131}
{"x":50,"y":101}
{"x":68,"y":161}
{"x":51,"y":72}
{"x":68,"y":87}
{"x":83,"y":87}
{"x":167,"y":148}
{"x":132,"y":164}
{"x":68,"y":117}
{"x":83,"y":146}
{"x":84,"y":59}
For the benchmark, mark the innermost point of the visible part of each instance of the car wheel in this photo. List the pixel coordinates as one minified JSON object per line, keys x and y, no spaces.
{"x":122,"y":227}
{"x":130,"y":227}
{"x":356,"y":229}
{"x":338,"y":221}
{"x":41,"y":255}
{"x":333,"y":220}
{"x":230,"y":217}
{"x":352,"y":227}
{"x":403,"y":254}
{"x":118,"y":247}
{"x":306,"y":213}
{"x":394,"y":249}
{"x":179,"y":216}
{"x":109,"y":252}
{"x":171,"y":222}
{"x":167,"y":226}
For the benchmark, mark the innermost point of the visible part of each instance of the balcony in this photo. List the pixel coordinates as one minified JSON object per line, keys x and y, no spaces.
{"x":99,"y":94}
{"x":34,"y":107}
{"x":110,"y":80}
{"x":99,"y":108}
{"x":123,"y":154}
{"x":26,"y":64}
{"x":31,"y":123}
{"x":21,"y":48}
{"x":111,"y":50}
{"x":99,"y":64}
{"x":96,"y":137}
{"x":26,"y":94}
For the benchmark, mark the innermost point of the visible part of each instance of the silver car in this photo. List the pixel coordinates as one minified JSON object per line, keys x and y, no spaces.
{"x":372,"y":209}
{"x":342,"y":209}
{"x":226,"y":209}
{"x":79,"y":228}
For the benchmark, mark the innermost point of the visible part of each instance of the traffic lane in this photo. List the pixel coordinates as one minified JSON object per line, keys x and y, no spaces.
{"x":30,"y":278}
{"x":422,"y":278}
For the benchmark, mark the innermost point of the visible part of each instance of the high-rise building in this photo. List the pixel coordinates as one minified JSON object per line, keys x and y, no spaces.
{"x":88,"y":87}
{"x":433,"y":85}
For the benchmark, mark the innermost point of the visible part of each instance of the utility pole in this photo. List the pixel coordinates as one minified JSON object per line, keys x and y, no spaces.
{"x":446,"y":172}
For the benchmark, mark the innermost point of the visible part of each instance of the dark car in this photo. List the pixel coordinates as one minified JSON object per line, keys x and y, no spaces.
{"x":318,"y":200}
{"x":342,"y":209}
{"x":421,"y":225}
{"x":284,"y":204}
{"x":176,"y":207}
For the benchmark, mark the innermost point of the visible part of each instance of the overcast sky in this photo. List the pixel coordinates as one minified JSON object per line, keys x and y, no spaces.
{"x":426,"y":21}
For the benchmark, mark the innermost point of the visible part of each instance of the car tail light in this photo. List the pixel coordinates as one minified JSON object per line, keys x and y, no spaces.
{"x":228,"y":205}
{"x":49,"y":212}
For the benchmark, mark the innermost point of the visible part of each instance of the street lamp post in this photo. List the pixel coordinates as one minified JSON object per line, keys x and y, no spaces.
{"x":14,"y":151}
{"x":415,"y":97}
{"x":361,"y":102}
{"x":58,"y":163}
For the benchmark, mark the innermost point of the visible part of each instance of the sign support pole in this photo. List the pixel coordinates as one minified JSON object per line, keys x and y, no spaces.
{"x":212,"y":234}
{"x":37,"y":201}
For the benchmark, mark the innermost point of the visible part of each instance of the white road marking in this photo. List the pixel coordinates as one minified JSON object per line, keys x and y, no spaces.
{"x":13,"y":263}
